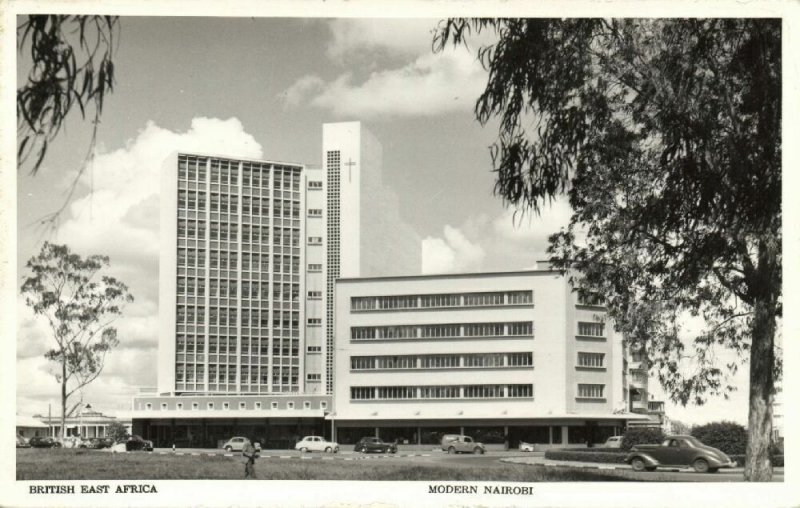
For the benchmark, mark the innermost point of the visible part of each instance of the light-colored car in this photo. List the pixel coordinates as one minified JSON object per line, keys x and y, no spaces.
{"x":526,"y":447}
{"x":613,"y":442}
{"x":316,"y":444}
{"x":454,"y":443}
{"x":235,"y":444}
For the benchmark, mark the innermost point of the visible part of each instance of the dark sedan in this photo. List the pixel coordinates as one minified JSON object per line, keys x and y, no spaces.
{"x":678,"y":451}
{"x":374,"y":444}
{"x":43,"y":442}
{"x":135,"y":443}
{"x":97,"y":443}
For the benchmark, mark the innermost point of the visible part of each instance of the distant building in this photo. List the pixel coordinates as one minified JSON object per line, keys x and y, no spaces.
{"x":28,"y":427}
{"x":87,"y":423}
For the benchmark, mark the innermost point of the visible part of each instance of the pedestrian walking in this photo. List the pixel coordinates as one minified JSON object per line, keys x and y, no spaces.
{"x":250,"y":453}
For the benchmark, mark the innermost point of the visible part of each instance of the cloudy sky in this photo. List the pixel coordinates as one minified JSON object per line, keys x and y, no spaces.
{"x":262,"y":88}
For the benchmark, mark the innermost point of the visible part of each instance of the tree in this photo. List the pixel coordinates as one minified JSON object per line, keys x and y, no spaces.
{"x":730,"y":437}
{"x":641,"y":435}
{"x":79,"y":303}
{"x":679,"y":427}
{"x":117,"y":431}
{"x":72,"y":65}
{"x":666,"y":137}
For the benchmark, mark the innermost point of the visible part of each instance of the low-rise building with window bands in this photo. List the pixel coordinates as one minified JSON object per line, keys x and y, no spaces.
{"x":505,"y":357}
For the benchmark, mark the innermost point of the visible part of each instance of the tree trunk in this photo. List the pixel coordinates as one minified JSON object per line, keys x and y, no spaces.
{"x":63,"y":397}
{"x":758,"y":465}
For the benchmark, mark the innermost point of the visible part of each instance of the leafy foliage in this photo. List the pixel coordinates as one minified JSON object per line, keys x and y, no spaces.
{"x":730,"y":437}
{"x":79,"y":303}
{"x":72,"y":65}
{"x":666,"y":137}
{"x":641,"y":435}
{"x":117,"y":431}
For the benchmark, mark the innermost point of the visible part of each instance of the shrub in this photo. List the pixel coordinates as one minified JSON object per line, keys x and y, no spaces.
{"x":117,"y":432}
{"x":611,"y":457}
{"x":641,"y":435}
{"x":729,"y":437}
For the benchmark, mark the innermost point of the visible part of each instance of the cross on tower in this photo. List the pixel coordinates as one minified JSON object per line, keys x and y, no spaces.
{"x":349,"y":165}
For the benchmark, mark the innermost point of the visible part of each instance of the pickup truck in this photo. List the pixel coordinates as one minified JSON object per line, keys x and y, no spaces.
{"x":682,"y":451}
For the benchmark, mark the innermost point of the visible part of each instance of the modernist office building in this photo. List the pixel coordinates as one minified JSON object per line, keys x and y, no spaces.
{"x":268,"y":272}
{"x":501,"y":356}
{"x":247,"y":275}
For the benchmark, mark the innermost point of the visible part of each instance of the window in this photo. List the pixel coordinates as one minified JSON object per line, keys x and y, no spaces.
{"x":520,"y":297}
{"x":323,"y":405}
{"x":242,"y":405}
{"x":211,"y":405}
{"x":484,"y":360}
{"x":179,"y":405}
{"x":314,"y":267}
{"x":440,"y":361}
{"x":483,"y":299}
{"x":363,"y":303}
{"x":314,"y":184}
{"x":163,"y":406}
{"x":362,"y":392}
{"x":148,"y":406}
{"x":315,"y":212}
{"x":195,"y":405}
{"x":314,"y":321}
{"x":520,"y":359}
{"x":440,"y":300}
{"x":315,"y":295}
{"x":440,"y":392}
{"x":257,"y":405}
{"x":397,"y":392}
{"x":483,"y":391}
{"x":483,"y":329}
{"x":313,"y":377}
{"x":520,"y":328}
{"x":396,"y":362}
{"x":362,"y":332}
{"x":315,"y":240}
{"x":306,"y":405}
{"x":591,"y":329}
{"x":520,"y":391}
{"x":290,"y":405}
{"x":591,"y":359}
{"x":274,"y":405}
{"x":314,"y":349}
{"x":586,"y":391}
{"x":362,"y":362}
{"x":434,"y":331}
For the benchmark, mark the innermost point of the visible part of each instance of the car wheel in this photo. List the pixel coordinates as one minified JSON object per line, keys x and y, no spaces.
{"x":363,"y":449}
{"x":303,"y":449}
{"x":478,"y":450}
{"x":700,"y":465}
{"x":328,"y":449}
{"x":228,"y":449}
{"x":451,"y":450}
{"x":637,"y":464}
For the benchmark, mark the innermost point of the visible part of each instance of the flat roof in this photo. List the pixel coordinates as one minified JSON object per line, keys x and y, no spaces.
{"x":385,"y":278}
{"x":238,"y":158}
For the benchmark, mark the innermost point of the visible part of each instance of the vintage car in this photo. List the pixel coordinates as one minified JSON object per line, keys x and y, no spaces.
{"x":374,"y":444}
{"x":613,"y":442}
{"x":454,"y":443}
{"x":43,"y":442}
{"x":316,"y":443}
{"x":22,"y":442}
{"x":136,"y":443}
{"x":526,"y":447}
{"x":682,"y":451}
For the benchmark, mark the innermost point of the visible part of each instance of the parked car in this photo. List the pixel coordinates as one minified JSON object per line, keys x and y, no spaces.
{"x":678,"y":451}
{"x":526,"y":447}
{"x":22,"y":442}
{"x":613,"y":442}
{"x":235,"y":444}
{"x":44,"y":442}
{"x":455,"y":443}
{"x":374,"y":444}
{"x":316,"y":443}
{"x":135,"y":443}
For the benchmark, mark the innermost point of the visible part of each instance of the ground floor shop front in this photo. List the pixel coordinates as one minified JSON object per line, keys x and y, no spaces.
{"x":283,"y":433}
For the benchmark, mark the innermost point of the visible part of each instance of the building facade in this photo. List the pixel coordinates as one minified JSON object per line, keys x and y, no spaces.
{"x":504,"y":357}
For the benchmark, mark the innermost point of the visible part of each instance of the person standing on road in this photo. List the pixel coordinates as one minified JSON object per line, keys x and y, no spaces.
{"x":249,"y":452}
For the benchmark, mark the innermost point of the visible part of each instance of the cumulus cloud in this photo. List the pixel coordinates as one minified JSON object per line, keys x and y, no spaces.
{"x":119,"y":218}
{"x":530,"y":228}
{"x":405,"y":78}
{"x":453,"y":252}
{"x":351,"y":36}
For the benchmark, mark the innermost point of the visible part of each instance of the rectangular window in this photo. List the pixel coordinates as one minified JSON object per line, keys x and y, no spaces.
{"x":314,"y":184}
{"x":484,"y":360}
{"x":483,"y":330}
{"x":520,"y":359}
{"x":440,"y":392}
{"x":519,"y":297}
{"x":586,"y":391}
{"x":445,"y":300}
{"x":362,"y":362}
{"x":591,"y":329}
{"x":520,"y":328}
{"x":362,"y":392}
{"x":397,"y":392}
{"x":314,"y":349}
{"x":315,"y":212}
{"x":315,"y":295}
{"x":314,"y":321}
{"x":362,"y":332}
{"x":483,"y":299}
{"x":314,"y":267}
{"x":591,"y":359}
{"x":396,"y":362}
{"x":315,"y":240}
{"x":313,"y":377}
{"x":520,"y":391}
{"x":483,"y":391}
{"x":440,"y":361}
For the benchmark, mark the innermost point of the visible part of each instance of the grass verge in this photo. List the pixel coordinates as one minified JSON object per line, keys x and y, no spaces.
{"x":93,"y":465}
